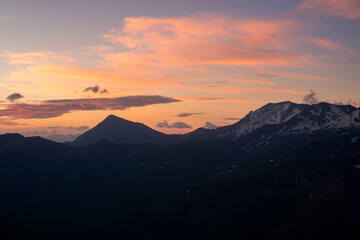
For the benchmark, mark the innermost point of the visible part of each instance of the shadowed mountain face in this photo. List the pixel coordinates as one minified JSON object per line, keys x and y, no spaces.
{"x":285,"y":118}
{"x":12,"y":231}
{"x":292,"y":173}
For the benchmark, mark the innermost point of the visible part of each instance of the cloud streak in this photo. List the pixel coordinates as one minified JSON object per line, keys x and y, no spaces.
{"x":187,"y":114}
{"x":82,"y":128}
{"x":326,"y":43}
{"x":7,"y":123}
{"x":56,"y":108}
{"x":35,"y":58}
{"x":210,"y":125}
{"x":341,"y":8}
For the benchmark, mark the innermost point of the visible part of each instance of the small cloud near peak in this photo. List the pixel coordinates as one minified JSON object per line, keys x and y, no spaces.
{"x":96,"y":89}
{"x":311,"y":98}
{"x":15,"y":96}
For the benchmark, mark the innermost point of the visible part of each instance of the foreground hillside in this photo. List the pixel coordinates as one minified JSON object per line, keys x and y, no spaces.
{"x":313,"y":196}
{"x":191,"y":190}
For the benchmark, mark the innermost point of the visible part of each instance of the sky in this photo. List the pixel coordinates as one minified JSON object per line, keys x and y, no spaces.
{"x":172,"y":65}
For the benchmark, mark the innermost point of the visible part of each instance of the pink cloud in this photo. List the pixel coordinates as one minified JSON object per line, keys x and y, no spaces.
{"x":325,"y":43}
{"x":341,"y":8}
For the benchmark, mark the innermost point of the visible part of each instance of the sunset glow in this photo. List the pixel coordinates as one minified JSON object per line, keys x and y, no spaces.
{"x":184,"y":63}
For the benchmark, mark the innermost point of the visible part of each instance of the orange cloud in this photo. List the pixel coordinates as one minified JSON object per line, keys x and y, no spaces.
{"x":271,"y":90}
{"x":304,"y":77}
{"x":342,"y":8}
{"x":203,"y":39}
{"x":35,"y":58}
{"x":255,"y":81}
{"x":233,"y":100}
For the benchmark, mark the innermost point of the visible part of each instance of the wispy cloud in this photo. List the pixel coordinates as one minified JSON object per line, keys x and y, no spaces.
{"x":53,"y":127}
{"x":99,"y":48}
{"x":8,"y":123}
{"x":210,"y":125}
{"x":311,"y":98}
{"x":188,"y":114}
{"x":35,"y":58}
{"x":341,"y":8}
{"x":302,"y":76}
{"x":264,"y":75}
{"x":56,"y":108}
{"x":326,"y":43}
{"x":179,"y":125}
{"x":82,"y":128}
{"x":215,"y":99}
{"x":7,"y":18}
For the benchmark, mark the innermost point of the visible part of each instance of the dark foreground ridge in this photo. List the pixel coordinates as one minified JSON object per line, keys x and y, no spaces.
{"x":289,"y":174}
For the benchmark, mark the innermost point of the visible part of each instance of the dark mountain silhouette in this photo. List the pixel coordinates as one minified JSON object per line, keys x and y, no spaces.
{"x":285,"y":171}
{"x":119,"y":130}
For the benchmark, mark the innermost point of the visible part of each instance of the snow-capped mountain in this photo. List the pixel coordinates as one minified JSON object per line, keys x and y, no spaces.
{"x":269,"y":114}
{"x":295,"y":118}
{"x":286,"y":118}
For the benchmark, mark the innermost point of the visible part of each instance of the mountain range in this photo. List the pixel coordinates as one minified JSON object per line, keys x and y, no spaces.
{"x":285,"y":171}
{"x":287,"y":118}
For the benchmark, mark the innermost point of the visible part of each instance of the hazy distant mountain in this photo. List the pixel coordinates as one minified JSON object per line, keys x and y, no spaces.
{"x":61,"y":138}
{"x":119,"y":130}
